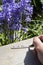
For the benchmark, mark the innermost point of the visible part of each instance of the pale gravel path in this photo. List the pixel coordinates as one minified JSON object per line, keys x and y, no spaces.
{"x":10,"y":56}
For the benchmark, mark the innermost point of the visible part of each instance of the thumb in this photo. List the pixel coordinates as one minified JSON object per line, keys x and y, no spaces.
{"x":37,"y":43}
{"x":39,"y":47}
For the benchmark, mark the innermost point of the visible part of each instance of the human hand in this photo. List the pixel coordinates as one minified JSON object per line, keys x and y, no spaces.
{"x":39,"y":47}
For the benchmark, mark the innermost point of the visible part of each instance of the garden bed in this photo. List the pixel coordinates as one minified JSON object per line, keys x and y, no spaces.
{"x":20,"y":20}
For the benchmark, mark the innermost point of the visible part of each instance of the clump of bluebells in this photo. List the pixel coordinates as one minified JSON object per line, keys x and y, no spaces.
{"x":13,"y":12}
{"x":11,"y":15}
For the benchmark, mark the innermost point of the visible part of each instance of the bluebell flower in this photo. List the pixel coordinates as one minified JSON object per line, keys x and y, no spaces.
{"x":7,"y":1}
{"x":27,"y":9}
{"x":28,"y":1}
{"x":16,"y":27}
{"x":2,"y":15}
{"x":28,"y":19}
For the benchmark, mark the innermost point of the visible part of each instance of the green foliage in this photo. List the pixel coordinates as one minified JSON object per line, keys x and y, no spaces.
{"x":0,"y":2}
{"x":42,"y":1}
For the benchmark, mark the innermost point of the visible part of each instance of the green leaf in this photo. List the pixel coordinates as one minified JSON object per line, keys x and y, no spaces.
{"x":42,"y":1}
{"x":0,"y":2}
{"x":0,"y":9}
{"x":34,"y":2}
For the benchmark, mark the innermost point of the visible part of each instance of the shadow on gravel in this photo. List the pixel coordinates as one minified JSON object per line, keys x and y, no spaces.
{"x":31,"y":59}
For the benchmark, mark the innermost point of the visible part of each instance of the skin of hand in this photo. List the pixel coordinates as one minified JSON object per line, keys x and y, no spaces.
{"x":38,"y":44}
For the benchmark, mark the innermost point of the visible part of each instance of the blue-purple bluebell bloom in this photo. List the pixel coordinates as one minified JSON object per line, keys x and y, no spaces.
{"x":28,"y":9}
{"x":7,"y":1}
{"x":13,"y":12}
